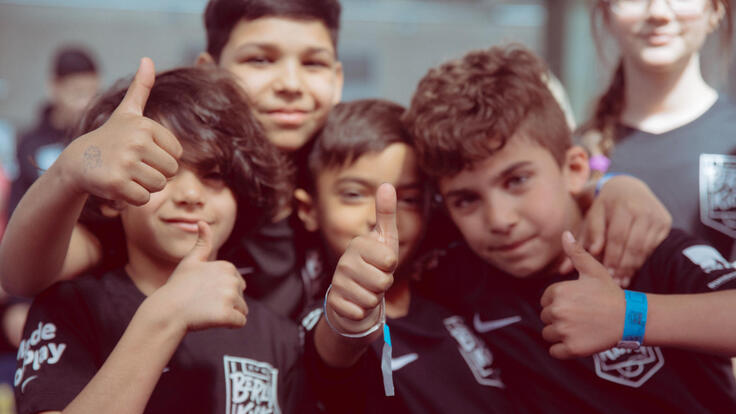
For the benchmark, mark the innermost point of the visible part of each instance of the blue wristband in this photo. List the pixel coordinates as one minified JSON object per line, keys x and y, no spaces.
{"x":603,"y":180}
{"x":635,"y":321}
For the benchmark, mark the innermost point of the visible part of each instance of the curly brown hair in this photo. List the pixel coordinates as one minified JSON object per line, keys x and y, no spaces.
{"x":208,"y":112}
{"x":465,"y":110}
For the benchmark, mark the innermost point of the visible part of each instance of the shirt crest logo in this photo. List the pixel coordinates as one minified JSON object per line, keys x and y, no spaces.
{"x":478,"y":357}
{"x":718,"y":192}
{"x":251,"y":386}
{"x":630,"y":367}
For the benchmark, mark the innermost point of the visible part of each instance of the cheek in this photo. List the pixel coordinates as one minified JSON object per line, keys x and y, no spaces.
{"x":322,"y":88}
{"x":471,"y":227}
{"x":251,"y":81}
{"x":410,"y":225}
{"x":341,"y":225}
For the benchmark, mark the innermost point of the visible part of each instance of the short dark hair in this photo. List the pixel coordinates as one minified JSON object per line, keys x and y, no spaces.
{"x":352,"y":130}
{"x":465,"y":110}
{"x":221,"y":16}
{"x":71,"y":60}
{"x":208,"y":113}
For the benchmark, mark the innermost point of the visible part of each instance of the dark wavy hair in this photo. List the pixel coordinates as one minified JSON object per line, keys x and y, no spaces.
{"x":208,"y":113}
{"x":352,"y":130}
{"x":465,"y":110}
{"x":221,"y":16}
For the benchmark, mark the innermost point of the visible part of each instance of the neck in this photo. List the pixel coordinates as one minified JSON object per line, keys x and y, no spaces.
{"x":147,"y":274}
{"x":398,"y":299}
{"x":661,"y":100}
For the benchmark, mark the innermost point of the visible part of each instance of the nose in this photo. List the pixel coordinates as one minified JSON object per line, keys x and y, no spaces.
{"x":500,"y":215}
{"x":660,"y":10}
{"x":288,"y":81}
{"x":187,"y":189}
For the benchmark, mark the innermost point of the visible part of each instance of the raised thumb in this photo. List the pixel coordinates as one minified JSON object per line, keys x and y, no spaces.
{"x":136,"y":97}
{"x":203,"y":246}
{"x":586,"y":265}
{"x":386,"y":216}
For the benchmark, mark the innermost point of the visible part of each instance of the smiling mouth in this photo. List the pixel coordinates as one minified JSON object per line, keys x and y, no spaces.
{"x":658,"y":39}
{"x":287,"y":118}
{"x":511,"y":246}
{"x":189,"y":226}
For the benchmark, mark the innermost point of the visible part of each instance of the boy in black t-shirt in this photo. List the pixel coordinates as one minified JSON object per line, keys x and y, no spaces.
{"x":150,"y":336}
{"x":496,"y":144}
{"x":284,"y":54}
{"x":438,"y":364}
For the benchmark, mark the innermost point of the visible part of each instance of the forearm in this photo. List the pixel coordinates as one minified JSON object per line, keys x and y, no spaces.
{"x":338,"y":351}
{"x":126,"y":380}
{"x":41,"y":226}
{"x":703,"y":322}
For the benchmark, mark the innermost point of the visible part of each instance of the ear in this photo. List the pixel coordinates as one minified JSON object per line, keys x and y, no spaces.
{"x":716,"y":16}
{"x":305,"y":210}
{"x":204,"y":59}
{"x":110,"y":211}
{"x":576,"y":169}
{"x":339,"y":81}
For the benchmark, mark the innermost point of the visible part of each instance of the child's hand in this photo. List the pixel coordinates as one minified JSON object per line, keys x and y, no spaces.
{"x":629,"y":222}
{"x":586,"y":315}
{"x":204,"y":294}
{"x":365,"y":271}
{"x":129,"y":156}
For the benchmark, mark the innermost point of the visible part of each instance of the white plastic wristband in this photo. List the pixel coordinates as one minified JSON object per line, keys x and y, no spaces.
{"x":374,"y":328}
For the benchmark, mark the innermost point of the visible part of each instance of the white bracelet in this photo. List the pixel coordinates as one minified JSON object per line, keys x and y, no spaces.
{"x":374,"y":328}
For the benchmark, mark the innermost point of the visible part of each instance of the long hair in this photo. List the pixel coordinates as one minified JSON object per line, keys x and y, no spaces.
{"x":599,"y":133}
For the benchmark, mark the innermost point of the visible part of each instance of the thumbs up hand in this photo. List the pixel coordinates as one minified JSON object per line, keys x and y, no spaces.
{"x":201,"y":293}
{"x":129,"y":156}
{"x":365,"y":271}
{"x":586,"y":315}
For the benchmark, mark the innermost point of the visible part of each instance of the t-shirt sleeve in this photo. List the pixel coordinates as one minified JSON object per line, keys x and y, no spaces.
{"x":684,"y":264}
{"x":54,"y":361}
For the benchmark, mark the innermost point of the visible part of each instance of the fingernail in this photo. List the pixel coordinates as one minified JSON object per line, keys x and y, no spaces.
{"x":569,"y":237}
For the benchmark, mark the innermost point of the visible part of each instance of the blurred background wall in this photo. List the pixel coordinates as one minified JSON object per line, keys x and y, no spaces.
{"x":385,"y":45}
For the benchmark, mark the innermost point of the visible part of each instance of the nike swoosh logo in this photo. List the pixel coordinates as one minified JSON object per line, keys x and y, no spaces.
{"x":402,"y":361}
{"x":23,"y":386}
{"x":488,"y":326}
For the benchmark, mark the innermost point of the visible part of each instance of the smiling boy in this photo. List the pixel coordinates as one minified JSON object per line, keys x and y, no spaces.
{"x":284,"y":55}
{"x":144,"y":336}
{"x":495,"y":143}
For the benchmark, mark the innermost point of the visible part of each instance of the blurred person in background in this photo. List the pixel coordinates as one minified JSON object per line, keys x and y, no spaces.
{"x":74,"y":82}
{"x":661,"y":122}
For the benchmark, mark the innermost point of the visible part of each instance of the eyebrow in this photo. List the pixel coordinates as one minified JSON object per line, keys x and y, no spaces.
{"x":355,"y":180}
{"x":271,"y":47}
{"x":505,"y":173}
{"x":362,"y":181}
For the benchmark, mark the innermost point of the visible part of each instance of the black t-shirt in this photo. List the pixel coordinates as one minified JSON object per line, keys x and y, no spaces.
{"x":685,"y":168}
{"x":439,"y":366}
{"x":273,"y":261}
{"x":505,"y":312}
{"x":73,"y":326}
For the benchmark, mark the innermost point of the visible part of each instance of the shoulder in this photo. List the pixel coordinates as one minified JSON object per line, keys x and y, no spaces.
{"x":683,"y":263}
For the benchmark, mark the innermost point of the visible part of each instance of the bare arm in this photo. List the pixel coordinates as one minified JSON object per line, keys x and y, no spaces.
{"x":363,"y":274}
{"x":623,"y":225}
{"x":125,"y":159}
{"x":43,"y":222}
{"x":200,"y":294}
{"x":586,"y":316}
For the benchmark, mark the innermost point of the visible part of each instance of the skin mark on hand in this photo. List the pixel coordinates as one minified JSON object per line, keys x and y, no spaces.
{"x":92,"y":158}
